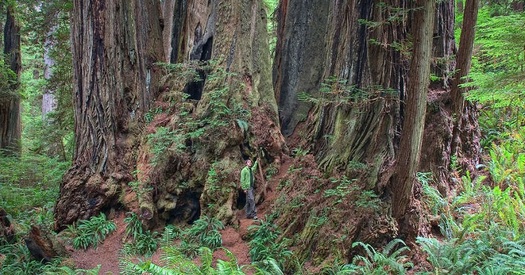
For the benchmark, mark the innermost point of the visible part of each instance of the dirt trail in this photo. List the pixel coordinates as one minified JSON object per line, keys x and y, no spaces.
{"x":233,"y":237}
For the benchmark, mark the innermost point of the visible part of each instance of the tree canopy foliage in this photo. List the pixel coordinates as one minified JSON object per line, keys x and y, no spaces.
{"x":498,"y":62}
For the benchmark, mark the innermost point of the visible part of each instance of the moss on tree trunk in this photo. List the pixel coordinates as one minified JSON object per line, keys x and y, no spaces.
{"x":229,"y":115}
{"x":350,"y":117}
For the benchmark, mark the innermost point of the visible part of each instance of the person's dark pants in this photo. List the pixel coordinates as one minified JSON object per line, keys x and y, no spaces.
{"x":250,"y":204}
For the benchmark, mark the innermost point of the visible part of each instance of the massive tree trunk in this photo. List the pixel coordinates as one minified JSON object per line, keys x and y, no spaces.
{"x":115,"y":47}
{"x":10,"y":128}
{"x":355,"y":121}
{"x":352,"y":66}
{"x":299,"y":64}
{"x":186,"y":161}
{"x":229,"y":114}
{"x":348,"y":62}
{"x":407,"y":161}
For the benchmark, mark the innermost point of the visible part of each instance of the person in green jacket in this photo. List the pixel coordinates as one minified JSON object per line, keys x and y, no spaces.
{"x":247,"y":183}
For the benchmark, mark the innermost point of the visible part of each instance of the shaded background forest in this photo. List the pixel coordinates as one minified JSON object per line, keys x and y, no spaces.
{"x":149,"y":108}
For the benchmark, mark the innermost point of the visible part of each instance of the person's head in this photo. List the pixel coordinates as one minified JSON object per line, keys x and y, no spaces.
{"x":249,"y":162}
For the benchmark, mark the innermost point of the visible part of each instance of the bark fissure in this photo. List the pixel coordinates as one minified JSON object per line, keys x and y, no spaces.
{"x":179,"y":23}
{"x":115,"y":80}
{"x":413,"y":124}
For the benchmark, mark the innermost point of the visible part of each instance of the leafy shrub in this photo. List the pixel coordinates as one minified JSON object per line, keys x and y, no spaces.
{"x":266,"y":246}
{"x":92,"y":232}
{"x":391,"y":260}
{"x":170,"y":233}
{"x":144,"y":242}
{"x":491,"y":252}
{"x":134,"y":226}
{"x":176,"y":262}
{"x":189,"y":248}
{"x":343,"y":189}
{"x":337,"y":269}
{"x":16,"y":259}
{"x":205,"y":232}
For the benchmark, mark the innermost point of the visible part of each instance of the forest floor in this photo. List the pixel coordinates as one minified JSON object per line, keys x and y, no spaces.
{"x":234,"y":238}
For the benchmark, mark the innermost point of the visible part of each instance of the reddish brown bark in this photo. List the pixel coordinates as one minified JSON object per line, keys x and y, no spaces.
{"x":115,"y":47}
{"x":407,"y":161}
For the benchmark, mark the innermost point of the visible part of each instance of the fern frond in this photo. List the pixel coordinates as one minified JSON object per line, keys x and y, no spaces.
{"x":206,"y":260}
{"x":268,"y":266}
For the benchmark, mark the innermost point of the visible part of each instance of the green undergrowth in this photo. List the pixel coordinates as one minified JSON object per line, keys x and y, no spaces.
{"x":190,"y":251}
{"x":29,"y":187}
{"x":29,"y":184}
{"x":92,"y":232}
{"x":482,"y":224}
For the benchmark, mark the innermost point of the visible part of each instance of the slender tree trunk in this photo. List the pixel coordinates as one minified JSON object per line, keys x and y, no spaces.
{"x":466,"y":134}
{"x":413,"y":121}
{"x":464,"y":55}
{"x":49,"y":101}
{"x":115,"y":47}
{"x":435,"y":155}
{"x":10,"y":127}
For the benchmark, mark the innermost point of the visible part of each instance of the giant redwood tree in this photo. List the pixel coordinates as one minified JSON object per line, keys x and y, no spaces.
{"x":168,"y":148}
{"x":115,"y":47}
{"x":343,"y":80}
{"x":223,"y":113}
